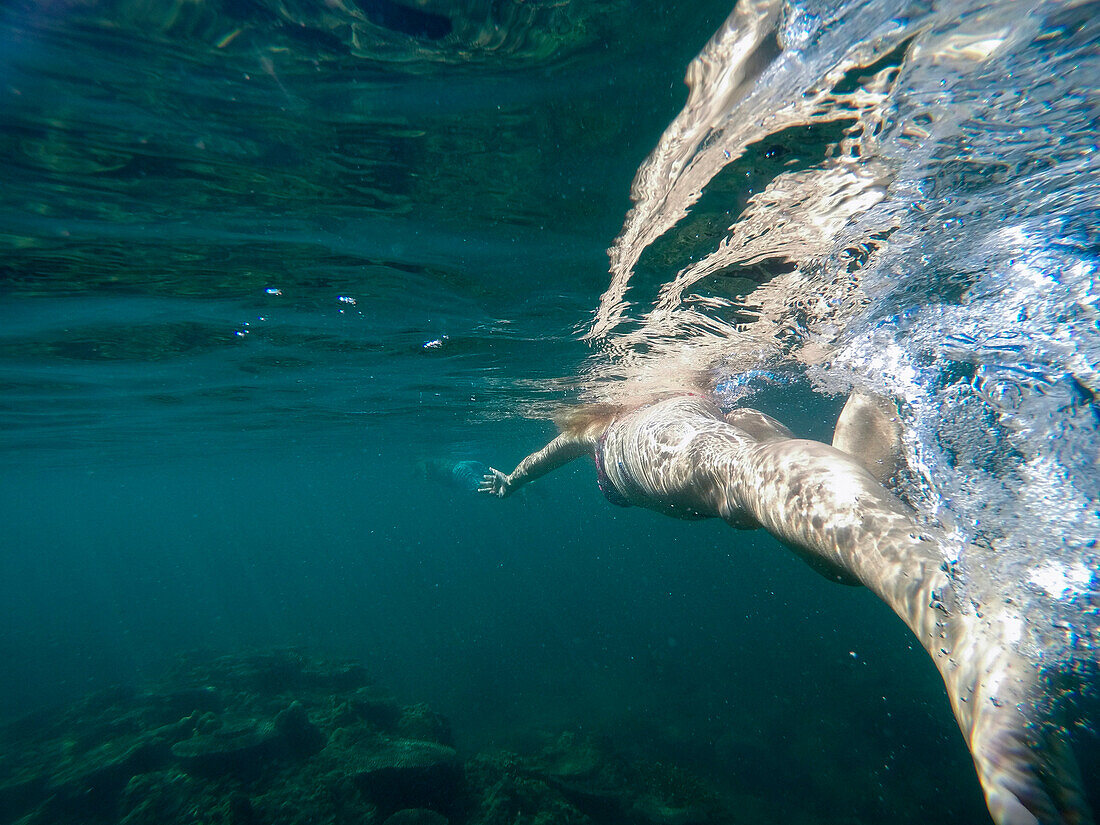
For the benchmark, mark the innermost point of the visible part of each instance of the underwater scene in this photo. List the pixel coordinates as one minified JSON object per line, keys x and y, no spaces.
{"x":302,"y":302}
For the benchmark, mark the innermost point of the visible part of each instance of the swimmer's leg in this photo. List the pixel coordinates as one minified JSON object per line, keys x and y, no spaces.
{"x":1024,"y":763}
{"x":1026,"y":768}
{"x":827,"y":507}
{"x":1029,"y":774}
{"x":869,"y":430}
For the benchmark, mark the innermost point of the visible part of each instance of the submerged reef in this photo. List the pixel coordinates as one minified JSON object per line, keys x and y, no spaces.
{"x":280,"y":737}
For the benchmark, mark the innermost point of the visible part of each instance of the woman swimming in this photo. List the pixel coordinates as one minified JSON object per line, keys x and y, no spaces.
{"x":683,"y":457}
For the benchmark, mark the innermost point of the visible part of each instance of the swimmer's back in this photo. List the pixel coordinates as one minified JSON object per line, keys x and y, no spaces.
{"x":654,"y":455}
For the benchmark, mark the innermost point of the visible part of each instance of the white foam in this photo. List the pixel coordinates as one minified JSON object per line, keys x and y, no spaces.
{"x":1061,"y":581}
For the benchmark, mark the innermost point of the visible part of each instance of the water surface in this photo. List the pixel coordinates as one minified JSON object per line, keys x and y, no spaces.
{"x":263,"y":264}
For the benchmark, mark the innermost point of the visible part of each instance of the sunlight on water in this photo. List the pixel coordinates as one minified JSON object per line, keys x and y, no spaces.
{"x":939,"y":251}
{"x":250,"y":165}
{"x":278,"y":279}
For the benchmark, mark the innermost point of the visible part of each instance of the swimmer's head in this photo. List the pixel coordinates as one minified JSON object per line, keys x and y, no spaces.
{"x":588,"y":420}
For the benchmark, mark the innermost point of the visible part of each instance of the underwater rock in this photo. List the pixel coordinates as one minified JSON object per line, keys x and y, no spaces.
{"x":581,"y":780}
{"x":269,"y":673}
{"x":283,"y":738}
{"x":370,"y":705}
{"x":175,"y":705}
{"x":163,"y":797}
{"x":87,"y":788}
{"x":656,"y":812}
{"x":109,"y":766}
{"x":71,"y":764}
{"x":570,"y":757}
{"x":237,"y":749}
{"x":300,"y":735}
{"x":407,"y":773}
{"x":506,"y":794}
{"x":22,"y":794}
{"x":242,"y":748}
{"x":584,"y":775}
{"x":421,"y":722}
{"x":417,"y":816}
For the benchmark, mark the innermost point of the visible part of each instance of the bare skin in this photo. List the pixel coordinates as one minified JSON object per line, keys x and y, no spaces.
{"x":682,"y":457}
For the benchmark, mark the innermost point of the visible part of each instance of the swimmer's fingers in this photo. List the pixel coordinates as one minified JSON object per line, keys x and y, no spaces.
{"x":495,"y":483}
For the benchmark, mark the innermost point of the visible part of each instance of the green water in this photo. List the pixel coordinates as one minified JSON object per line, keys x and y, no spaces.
{"x":255,"y":266}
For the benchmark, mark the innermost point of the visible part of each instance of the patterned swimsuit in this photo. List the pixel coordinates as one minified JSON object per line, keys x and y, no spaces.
{"x":607,"y":487}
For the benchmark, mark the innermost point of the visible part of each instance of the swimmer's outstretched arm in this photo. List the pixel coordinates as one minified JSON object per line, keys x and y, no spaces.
{"x":559,"y":452}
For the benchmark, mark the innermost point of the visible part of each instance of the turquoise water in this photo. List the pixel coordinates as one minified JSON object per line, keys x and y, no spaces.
{"x":266,"y":268}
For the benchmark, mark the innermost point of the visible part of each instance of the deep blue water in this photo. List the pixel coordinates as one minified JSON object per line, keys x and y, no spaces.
{"x":258,"y":271}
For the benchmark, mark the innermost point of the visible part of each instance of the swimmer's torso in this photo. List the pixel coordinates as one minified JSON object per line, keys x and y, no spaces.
{"x":654,"y":456}
{"x":681,"y":457}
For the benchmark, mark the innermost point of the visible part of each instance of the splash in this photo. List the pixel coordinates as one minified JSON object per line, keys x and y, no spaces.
{"x":930,"y":236}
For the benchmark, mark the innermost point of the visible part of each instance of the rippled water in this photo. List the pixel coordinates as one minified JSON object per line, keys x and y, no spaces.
{"x":267,"y":270}
{"x":290,"y":203}
{"x":934,"y":243}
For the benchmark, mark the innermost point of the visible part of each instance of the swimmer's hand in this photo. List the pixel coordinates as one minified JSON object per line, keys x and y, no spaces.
{"x":495,"y":483}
